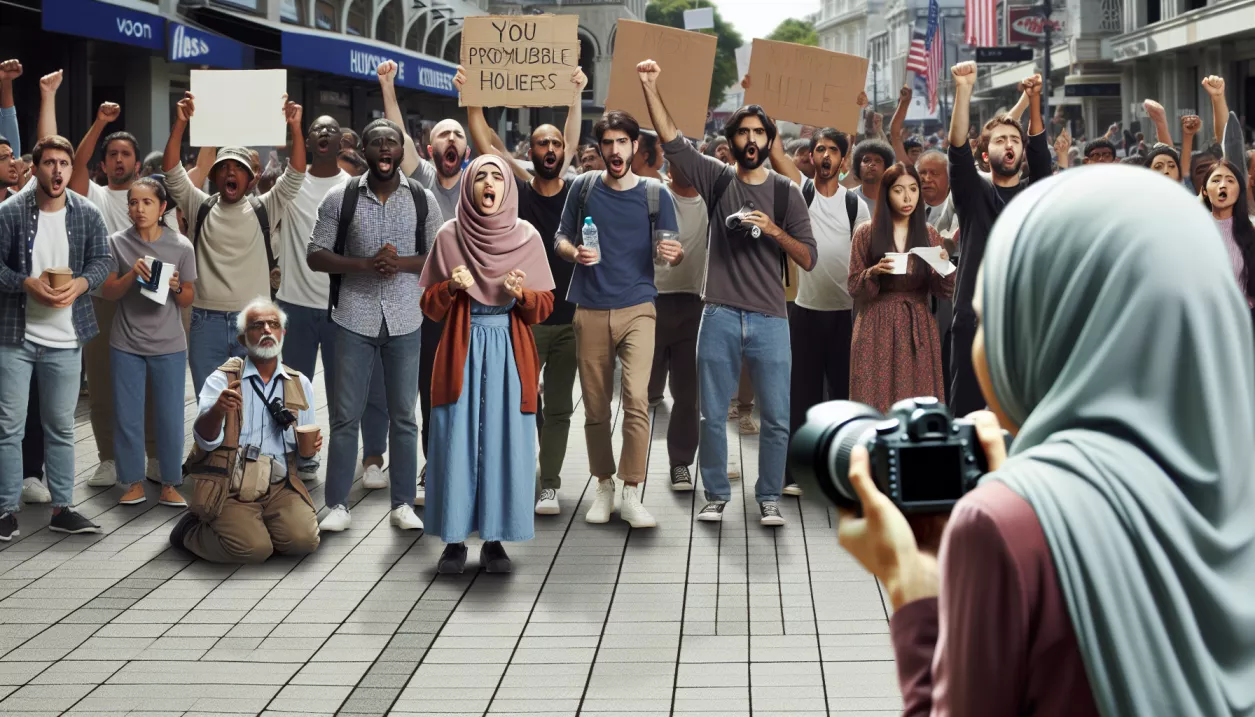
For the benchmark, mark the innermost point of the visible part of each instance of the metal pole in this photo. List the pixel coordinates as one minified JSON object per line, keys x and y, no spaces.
{"x":943,"y":82}
{"x":1045,"y":78}
{"x":875,"y":84}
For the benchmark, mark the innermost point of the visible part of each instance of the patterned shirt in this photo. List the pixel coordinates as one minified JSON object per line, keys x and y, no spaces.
{"x":89,"y":258}
{"x":368,"y":301}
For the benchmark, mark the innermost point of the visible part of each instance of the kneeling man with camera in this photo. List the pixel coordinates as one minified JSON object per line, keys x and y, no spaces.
{"x":256,"y":417}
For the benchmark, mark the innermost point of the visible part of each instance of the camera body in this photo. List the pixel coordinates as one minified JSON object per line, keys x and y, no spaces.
{"x":736,"y":224}
{"x":280,"y":414}
{"x":921,"y":457}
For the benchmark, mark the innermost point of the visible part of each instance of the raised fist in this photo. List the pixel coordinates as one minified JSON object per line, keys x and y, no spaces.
{"x":1214,"y":85}
{"x":51,"y":81}
{"x":108,"y":112}
{"x":1031,"y":86}
{"x":10,"y":70}
{"x":1191,"y":124}
{"x":387,"y":71}
{"x":964,"y":74}
{"x":648,"y":71}
{"x":459,"y":79}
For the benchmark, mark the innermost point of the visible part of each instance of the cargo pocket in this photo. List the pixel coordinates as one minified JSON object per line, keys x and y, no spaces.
{"x":209,"y":495}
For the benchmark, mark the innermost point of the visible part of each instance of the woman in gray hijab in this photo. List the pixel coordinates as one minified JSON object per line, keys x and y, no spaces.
{"x":1107,"y":565}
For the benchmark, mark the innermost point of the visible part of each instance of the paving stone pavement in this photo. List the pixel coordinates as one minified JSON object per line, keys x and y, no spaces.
{"x":728,"y":619}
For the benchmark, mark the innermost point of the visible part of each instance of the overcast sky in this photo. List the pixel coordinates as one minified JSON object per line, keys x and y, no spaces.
{"x":757,"y":18}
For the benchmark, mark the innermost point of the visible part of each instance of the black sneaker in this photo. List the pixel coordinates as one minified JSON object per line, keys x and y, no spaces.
{"x":180,"y":530}
{"x":492,"y":558}
{"x":8,"y":527}
{"x":713,"y":512}
{"x":681,"y":479}
{"x":771,"y":514}
{"x":68,"y":521}
{"x":452,"y":560}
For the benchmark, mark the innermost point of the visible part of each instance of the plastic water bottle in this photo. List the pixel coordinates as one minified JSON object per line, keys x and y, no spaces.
{"x":590,"y":239}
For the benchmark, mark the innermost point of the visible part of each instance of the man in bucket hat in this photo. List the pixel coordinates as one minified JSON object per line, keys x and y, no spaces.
{"x":231,"y":231}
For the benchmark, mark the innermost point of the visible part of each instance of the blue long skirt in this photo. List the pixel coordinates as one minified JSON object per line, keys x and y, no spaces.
{"x":481,"y":474}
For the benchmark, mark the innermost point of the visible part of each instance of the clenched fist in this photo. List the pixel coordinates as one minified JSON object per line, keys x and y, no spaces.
{"x":514,"y":283}
{"x":461,"y":279}
{"x":964,"y":74}
{"x":648,"y":72}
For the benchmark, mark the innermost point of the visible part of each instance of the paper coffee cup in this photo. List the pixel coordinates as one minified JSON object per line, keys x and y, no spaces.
{"x":306,"y":440}
{"x":59,"y":276}
{"x":899,"y":261}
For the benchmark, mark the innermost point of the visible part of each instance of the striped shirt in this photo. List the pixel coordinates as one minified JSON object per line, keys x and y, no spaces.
{"x":1235,"y":254}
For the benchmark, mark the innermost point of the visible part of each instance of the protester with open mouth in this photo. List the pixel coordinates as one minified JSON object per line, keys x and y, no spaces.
{"x":541,"y":200}
{"x":884,"y":369}
{"x":979,"y":200}
{"x":744,"y":318}
{"x":613,"y":290}
{"x":868,"y":161}
{"x":44,"y":232}
{"x":385,"y":224}
{"x":304,"y":296}
{"x":487,"y":281}
{"x":1225,"y":196}
{"x":231,"y":233}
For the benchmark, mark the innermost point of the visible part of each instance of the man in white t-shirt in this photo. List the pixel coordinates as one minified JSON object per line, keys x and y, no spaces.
{"x":121,"y":165}
{"x":46,"y":232}
{"x":679,"y":309}
{"x":821,"y":323}
{"x":304,"y":295}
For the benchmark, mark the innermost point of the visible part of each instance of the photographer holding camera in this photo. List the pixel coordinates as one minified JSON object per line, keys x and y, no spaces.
{"x":1106,"y":566}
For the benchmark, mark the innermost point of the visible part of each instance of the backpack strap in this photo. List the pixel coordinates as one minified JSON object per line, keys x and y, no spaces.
{"x":586,"y":190}
{"x":263,"y":218}
{"x":780,"y":210}
{"x":851,"y":209}
{"x":653,"y":190}
{"x":201,"y":213}
{"x":420,"y":209}
{"x":721,"y":186}
{"x":808,"y":191}
{"x":348,"y":207}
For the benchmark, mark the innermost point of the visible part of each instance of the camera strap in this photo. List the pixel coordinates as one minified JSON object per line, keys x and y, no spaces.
{"x":257,"y":384}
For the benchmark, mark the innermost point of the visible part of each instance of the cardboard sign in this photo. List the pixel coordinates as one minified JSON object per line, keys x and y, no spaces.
{"x":806,"y":85}
{"x":687,"y":60}
{"x":241,"y":108}
{"x":519,"y":60}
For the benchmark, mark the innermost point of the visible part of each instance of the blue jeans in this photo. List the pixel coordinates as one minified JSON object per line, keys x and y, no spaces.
{"x":309,"y":329}
{"x":58,"y":371}
{"x":131,"y":375}
{"x":357,"y":355}
{"x":212,"y":340}
{"x":726,"y":337}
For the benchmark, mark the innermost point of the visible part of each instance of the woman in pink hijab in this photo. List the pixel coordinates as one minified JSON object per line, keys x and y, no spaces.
{"x":488,"y":279}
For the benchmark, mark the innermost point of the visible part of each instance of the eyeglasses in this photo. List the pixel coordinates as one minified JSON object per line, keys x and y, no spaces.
{"x":259,"y":325}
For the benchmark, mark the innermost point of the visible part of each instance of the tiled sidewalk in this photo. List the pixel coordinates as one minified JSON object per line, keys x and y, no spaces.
{"x":727,"y":619}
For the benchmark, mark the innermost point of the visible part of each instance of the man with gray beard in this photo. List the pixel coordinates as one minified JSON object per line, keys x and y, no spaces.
{"x":260,"y":402}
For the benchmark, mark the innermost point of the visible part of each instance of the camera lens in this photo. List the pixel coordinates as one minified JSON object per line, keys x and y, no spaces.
{"x":733,"y":222}
{"x":819,"y":453}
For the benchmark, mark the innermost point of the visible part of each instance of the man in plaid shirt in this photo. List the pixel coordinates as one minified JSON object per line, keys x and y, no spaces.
{"x":42,"y":329}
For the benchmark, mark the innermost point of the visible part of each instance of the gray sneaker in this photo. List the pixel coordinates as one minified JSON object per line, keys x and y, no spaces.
{"x":771,"y":514}
{"x":68,"y":521}
{"x":713,"y":512}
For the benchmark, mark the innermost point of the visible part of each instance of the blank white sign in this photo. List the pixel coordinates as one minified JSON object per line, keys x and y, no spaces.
{"x":239,"y":107}
{"x":703,"y":18}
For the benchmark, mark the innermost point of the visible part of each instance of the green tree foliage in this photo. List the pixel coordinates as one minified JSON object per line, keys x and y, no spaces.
{"x":671,"y":14}
{"x":801,"y":32}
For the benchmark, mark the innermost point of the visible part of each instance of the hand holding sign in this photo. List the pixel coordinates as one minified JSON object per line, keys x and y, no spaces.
{"x":237,"y":107}
{"x":807,"y":85}
{"x":186,"y":107}
{"x":292,"y":112}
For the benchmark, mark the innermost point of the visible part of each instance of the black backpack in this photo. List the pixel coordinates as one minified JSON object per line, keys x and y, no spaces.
{"x":259,"y":210}
{"x":348,"y":207}
{"x":780,"y":206}
{"x":851,"y":201}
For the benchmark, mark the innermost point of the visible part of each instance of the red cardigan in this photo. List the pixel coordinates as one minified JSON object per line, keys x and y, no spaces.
{"x":455,"y":312}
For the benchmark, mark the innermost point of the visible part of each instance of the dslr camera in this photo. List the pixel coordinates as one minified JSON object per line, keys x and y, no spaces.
{"x":280,"y":413}
{"x":736,"y":225}
{"x":924,"y":459}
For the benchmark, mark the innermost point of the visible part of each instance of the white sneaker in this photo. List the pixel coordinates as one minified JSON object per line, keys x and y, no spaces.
{"x":548,"y":503}
{"x":34,"y":491}
{"x":373,"y":478}
{"x":106,"y":475}
{"x":631,"y":510}
{"x":603,"y":502}
{"x":792,"y":489}
{"x":337,"y":521}
{"x":152,"y":472}
{"x":309,"y":475}
{"x":403,"y":517}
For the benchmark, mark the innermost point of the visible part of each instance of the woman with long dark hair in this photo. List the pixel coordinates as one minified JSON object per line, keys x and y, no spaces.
{"x":1224,"y":195}
{"x":896,"y":351}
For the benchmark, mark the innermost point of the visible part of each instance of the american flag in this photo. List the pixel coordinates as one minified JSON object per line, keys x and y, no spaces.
{"x":980,"y":23}
{"x":926,"y":60}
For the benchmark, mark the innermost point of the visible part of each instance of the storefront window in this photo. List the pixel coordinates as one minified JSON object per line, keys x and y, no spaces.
{"x":357,"y":20}
{"x":290,"y":11}
{"x":324,"y":15}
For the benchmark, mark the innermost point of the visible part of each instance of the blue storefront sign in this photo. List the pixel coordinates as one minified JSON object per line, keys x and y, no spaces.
{"x":197,"y":47}
{"x":102,"y":21}
{"x":360,"y":60}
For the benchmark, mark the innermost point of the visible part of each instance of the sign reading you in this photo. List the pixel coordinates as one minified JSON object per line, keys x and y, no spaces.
{"x":806,"y":85}
{"x":520,"y":61}
{"x":687,"y":60}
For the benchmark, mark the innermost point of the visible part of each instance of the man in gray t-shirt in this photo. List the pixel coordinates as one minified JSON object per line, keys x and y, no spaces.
{"x":744,"y":317}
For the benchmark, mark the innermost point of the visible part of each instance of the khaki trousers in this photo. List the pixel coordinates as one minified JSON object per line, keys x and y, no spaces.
{"x":278,"y":522}
{"x":600,"y":336}
{"x":100,"y":386}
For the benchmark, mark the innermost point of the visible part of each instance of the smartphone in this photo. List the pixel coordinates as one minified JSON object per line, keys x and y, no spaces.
{"x":154,"y":276}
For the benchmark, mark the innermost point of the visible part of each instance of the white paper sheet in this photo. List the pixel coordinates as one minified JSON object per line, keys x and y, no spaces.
{"x":932,"y":255}
{"x":239,"y":108}
{"x":163,"y":285}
